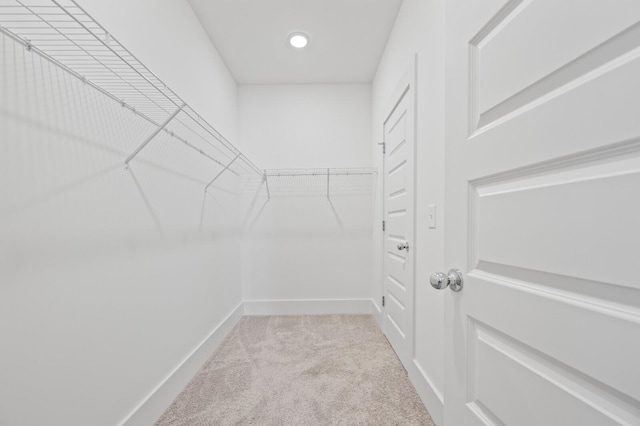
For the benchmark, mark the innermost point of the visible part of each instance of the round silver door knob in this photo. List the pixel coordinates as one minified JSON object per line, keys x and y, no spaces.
{"x":452,"y":279}
{"x":439,"y":280}
{"x":404,"y":246}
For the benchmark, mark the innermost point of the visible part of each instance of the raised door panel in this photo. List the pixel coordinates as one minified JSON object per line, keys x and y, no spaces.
{"x":543,"y":168}
{"x":513,"y":63}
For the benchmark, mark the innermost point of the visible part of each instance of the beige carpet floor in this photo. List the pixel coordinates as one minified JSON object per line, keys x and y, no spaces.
{"x":301,"y":370}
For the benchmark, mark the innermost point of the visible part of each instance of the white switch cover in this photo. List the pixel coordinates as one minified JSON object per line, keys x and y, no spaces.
{"x":432,"y":216}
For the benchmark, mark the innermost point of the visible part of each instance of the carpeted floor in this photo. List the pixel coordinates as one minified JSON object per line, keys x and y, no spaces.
{"x":301,"y":370}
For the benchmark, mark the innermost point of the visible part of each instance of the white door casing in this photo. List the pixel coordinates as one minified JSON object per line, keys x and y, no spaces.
{"x":543,"y":212}
{"x":398,"y":205}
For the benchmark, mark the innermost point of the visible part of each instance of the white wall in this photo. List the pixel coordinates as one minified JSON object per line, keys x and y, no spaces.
{"x":299,"y":245}
{"x":107,"y":282}
{"x":315,"y":125}
{"x":419,"y":29}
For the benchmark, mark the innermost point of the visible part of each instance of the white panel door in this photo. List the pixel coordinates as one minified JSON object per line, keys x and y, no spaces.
{"x":543,"y":212}
{"x":398,"y":215}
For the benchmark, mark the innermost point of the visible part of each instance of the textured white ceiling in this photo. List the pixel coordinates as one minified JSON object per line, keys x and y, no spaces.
{"x":347,"y":38}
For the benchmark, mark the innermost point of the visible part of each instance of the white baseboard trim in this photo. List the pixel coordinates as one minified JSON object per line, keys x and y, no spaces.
{"x":377,"y":313}
{"x":307,"y":307}
{"x":149,"y":410}
{"x":431,"y":397}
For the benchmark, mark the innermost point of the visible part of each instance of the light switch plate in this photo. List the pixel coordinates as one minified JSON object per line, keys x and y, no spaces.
{"x":432,"y":216}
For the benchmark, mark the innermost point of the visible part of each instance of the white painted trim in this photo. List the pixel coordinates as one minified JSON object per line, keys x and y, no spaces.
{"x":430,"y":395}
{"x":406,"y":86}
{"x":152,"y":407}
{"x":376,"y":311}
{"x":307,"y":307}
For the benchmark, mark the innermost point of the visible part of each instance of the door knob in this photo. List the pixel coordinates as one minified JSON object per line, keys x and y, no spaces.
{"x":404,"y":246}
{"x":452,"y":279}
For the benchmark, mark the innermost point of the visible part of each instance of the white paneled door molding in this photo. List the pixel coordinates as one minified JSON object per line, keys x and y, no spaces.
{"x":542,"y":180}
{"x":398,"y":205}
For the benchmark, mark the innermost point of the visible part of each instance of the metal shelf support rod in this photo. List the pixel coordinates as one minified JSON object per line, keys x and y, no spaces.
{"x":222,"y":171}
{"x":328,"y":183}
{"x":266,"y":181}
{"x":154,"y":134}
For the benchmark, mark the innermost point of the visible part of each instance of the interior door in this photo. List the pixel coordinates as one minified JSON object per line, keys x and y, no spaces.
{"x":398,"y":216}
{"x":543,"y":212}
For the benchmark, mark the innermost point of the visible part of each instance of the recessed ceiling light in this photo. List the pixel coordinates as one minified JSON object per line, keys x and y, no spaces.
{"x":298,"y":40}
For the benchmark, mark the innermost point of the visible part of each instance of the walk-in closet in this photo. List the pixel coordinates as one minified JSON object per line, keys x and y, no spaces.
{"x":319,"y":212}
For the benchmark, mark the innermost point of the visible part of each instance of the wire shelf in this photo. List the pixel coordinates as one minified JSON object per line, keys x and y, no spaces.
{"x":64,"y":33}
{"x":319,"y":181}
{"x":331,"y":171}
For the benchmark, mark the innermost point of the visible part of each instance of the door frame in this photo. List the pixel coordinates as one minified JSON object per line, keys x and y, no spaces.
{"x":406,"y":86}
